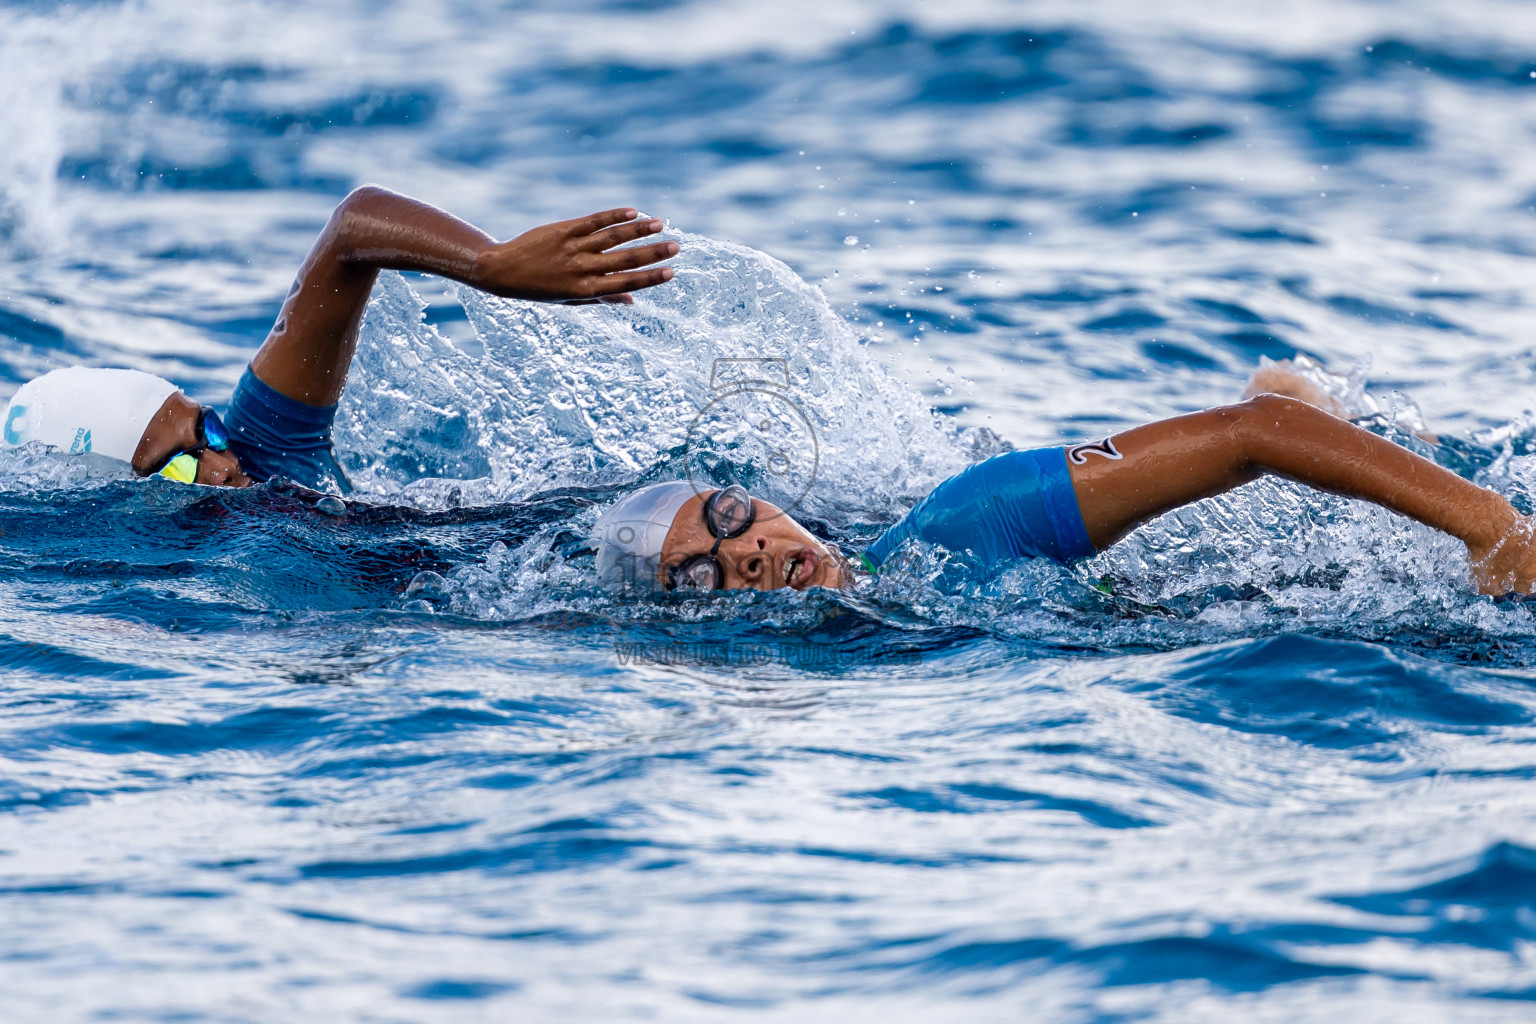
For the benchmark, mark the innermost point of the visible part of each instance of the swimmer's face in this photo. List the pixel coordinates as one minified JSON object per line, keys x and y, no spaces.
{"x":174,"y":429}
{"x":775,"y":551}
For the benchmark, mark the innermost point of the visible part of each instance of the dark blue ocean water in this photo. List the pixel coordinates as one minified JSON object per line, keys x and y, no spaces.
{"x":269,"y":759}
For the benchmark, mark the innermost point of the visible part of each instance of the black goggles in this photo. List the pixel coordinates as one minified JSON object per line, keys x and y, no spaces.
{"x":211,"y":436}
{"x":728,"y":513}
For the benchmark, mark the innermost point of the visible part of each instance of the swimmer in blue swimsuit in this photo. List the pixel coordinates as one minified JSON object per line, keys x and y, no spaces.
{"x":279,"y":421}
{"x":1067,"y":503}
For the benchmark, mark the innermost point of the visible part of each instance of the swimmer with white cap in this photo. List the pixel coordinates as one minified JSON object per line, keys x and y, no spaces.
{"x":279,"y":419}
{"x":127,"y":415}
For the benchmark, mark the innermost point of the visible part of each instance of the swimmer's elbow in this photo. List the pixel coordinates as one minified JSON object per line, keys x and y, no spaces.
{"x":364,"y":195}
{"x":1269,"y":404}
{"x":353,"y":220}
{"x":1258,"y":425}
{"x":365,"y":201}
{"x":1265,"y":413}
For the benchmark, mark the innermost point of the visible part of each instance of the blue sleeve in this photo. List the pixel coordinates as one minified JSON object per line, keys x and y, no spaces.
{"x":1015,"y":505}
{"x":274,"y":435}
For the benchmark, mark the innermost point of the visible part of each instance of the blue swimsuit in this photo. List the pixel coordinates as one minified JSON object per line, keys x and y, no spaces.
{"x":1015,"y":505}
{"x":274,"y":435}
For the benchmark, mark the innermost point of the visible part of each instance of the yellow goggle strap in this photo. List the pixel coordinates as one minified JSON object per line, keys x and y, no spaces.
{"x":182,"y":468}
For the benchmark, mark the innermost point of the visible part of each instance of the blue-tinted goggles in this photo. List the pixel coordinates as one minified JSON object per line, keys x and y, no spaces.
{"x":211,"y":434}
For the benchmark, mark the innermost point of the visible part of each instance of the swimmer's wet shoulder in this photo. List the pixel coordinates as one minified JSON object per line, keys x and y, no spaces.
{"x":274,"y":435}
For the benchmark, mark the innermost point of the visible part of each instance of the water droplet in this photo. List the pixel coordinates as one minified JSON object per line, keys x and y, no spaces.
{"x":331,"y":505}
{"x":851,"y":240}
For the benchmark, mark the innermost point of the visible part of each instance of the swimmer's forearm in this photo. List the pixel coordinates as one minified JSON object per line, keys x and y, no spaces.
{"x":377,"y":229}
{"x":1295,"y":440}
{"x":310,"y":346}
{"x":1164,"y":465}
{"x":1132,"y":477}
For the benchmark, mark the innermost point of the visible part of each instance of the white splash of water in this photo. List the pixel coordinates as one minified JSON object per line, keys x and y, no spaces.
{"x":603,"y":395}
{"x":35,"y":467}
{"x":31,"y":141}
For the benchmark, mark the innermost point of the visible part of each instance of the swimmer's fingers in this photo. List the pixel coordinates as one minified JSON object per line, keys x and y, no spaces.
{"x":557,"y":263}
{"x":621,"y":299}
{"x":609,"y":237}
{"x":629,"y":259}
{"x":611,"y":286}
{"x":597,"y":221}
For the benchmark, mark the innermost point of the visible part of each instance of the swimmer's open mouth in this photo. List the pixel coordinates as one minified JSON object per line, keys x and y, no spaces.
{"x":800,"y":568}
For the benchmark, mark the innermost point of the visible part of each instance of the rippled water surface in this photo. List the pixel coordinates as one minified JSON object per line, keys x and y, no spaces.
{"x":267,"y":758}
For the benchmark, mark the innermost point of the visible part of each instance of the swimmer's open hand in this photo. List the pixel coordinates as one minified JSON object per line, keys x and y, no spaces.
{"x":1509,"y":564}
{"x":576,"y":260}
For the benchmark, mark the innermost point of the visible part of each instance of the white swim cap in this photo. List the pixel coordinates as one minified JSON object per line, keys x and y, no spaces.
{"x":79,"y":409}
{"x":630,"y":534}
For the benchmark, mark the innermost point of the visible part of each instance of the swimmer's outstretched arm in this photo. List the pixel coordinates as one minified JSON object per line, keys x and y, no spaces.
{"x":310,"y":347}
{"x":1171,"y":463}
